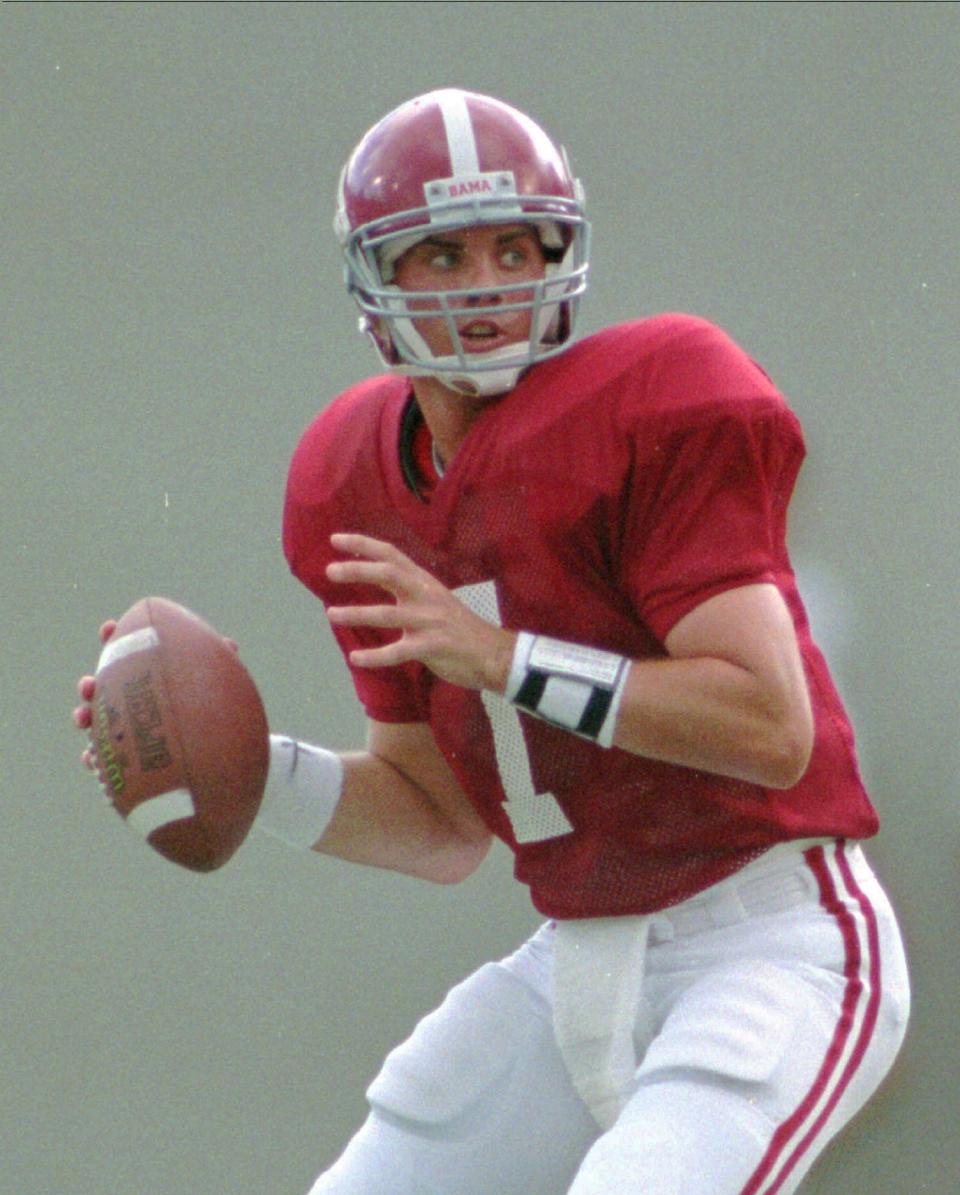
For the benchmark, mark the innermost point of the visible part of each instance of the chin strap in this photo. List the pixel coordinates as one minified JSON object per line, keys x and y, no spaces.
{"x":486,"y":384}
{"x":455,"y":373}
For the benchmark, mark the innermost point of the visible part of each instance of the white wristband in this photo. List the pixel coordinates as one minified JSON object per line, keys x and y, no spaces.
{"x":303,"y":787}
{"x":576,"y":688}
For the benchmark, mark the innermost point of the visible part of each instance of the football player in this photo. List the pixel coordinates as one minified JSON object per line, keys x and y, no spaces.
{"x":558,"y":572}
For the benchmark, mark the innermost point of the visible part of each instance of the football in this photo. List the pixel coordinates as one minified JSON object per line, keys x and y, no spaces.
{"x":179,"y":734}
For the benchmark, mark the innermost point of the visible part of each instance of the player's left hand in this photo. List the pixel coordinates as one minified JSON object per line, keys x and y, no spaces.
{"x":83,"y":714}
{"x":436,"y":627}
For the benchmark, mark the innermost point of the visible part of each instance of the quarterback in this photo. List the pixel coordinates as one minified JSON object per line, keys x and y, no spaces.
{"x":557,"y":569}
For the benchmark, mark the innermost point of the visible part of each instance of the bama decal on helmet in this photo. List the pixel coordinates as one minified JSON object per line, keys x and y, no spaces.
{"x":469,"y":186}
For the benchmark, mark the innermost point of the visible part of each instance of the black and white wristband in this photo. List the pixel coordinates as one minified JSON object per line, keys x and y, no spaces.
{"x":576,"y":688}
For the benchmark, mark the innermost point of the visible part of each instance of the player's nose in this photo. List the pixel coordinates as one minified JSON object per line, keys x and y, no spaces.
{"x":485,"y":275}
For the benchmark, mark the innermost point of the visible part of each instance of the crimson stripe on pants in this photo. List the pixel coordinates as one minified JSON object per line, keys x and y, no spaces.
{"x":858,"y":1018}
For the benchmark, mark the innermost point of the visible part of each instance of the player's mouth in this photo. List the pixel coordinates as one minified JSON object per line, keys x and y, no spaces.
{"x":480,"y":336}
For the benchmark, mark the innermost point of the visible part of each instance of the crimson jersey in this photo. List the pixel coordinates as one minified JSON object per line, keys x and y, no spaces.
{"x":614,"y":489}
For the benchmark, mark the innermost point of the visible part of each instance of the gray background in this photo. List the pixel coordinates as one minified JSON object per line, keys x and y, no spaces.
{"x":172,"y":318}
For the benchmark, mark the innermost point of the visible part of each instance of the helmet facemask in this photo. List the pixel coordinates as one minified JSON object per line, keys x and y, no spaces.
{"x":390,"y":314}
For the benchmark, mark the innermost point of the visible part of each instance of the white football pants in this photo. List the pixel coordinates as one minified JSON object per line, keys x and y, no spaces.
{"x":765,"y":1012}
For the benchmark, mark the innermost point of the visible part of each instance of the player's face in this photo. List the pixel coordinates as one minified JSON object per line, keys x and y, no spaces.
{"x":483,"y":256}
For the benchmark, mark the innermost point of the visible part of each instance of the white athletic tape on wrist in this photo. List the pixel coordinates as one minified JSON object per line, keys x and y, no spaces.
{"x":303,"y":787}
{"x":576,"y":688}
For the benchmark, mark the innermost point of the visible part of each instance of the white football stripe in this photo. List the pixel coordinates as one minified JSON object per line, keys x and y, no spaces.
{"x":160,"y":811}
{"x":460,"y":139}
{"x":126,"y":645}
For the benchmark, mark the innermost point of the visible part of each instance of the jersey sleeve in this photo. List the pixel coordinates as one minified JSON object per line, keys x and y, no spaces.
{"x":714,"y":472}
{"x":329,"y":465}
{"x":387,"y":694}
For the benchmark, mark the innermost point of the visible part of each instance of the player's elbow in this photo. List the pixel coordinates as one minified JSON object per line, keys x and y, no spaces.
{"x":787,"y":769}
{"x":459,"y":859}
{"x":789,"y":748}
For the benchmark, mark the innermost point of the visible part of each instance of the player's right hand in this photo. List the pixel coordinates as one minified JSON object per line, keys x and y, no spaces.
{"x":83,"y":714}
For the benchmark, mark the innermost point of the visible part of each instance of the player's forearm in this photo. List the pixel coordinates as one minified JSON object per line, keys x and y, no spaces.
{"x":730,"y":697}
{"x":699,"y":711}
{"x":714,"y":716}
{"x":385,"y":819}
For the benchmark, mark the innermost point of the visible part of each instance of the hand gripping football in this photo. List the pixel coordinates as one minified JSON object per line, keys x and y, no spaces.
{"x":179,"y":734}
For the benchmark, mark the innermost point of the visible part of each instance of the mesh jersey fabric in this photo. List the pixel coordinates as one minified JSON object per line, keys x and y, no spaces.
{"x":613,"y":490}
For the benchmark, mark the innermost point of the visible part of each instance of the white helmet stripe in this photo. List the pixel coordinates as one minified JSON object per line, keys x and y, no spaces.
{"x":460,"y":139}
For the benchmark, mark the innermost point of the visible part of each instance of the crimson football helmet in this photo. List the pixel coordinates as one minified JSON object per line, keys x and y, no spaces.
{"x":452,"y":159}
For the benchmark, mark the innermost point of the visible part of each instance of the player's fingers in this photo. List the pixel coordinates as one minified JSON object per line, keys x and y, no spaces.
{"x":107,"y":629}
{"x":382,"y":657}
{"x":359,"y":572}
{"x":366,"y":546}
{"x":399,"y":581}
{"x":82,"y":717}
{"x":373,"y":616}
{"x":381,"y":552}
{"x":86,"y":686}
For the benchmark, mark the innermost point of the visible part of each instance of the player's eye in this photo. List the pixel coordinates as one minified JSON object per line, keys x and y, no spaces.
{"x":443,"y":259}
{"x":515,"y":255}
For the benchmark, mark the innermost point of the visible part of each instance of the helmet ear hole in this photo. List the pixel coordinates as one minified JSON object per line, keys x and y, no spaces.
{"x":373,"y":327}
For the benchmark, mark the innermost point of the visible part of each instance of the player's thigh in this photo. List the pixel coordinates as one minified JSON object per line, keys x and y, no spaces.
{"x":475,"y":1101}
{"x":760,"y":1061}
